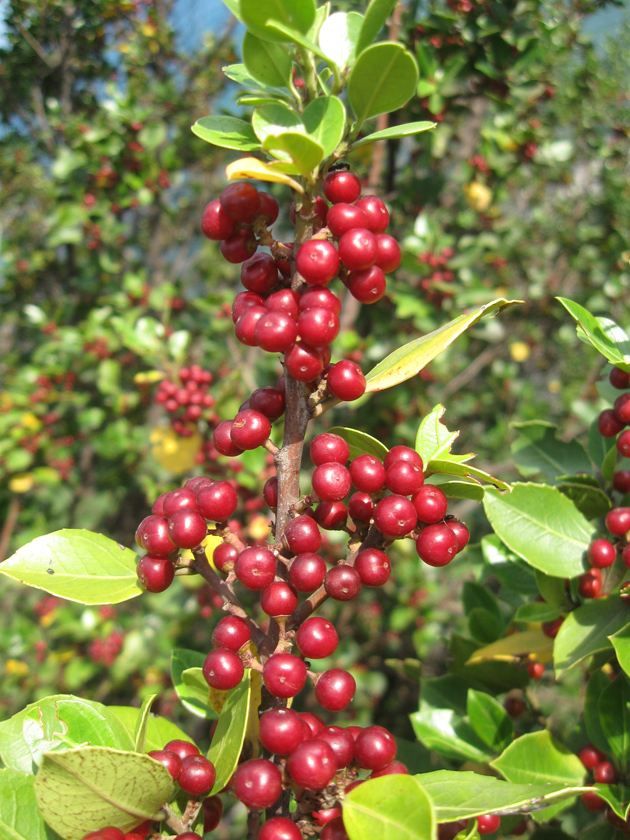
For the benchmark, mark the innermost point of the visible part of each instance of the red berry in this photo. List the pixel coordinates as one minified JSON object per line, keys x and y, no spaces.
{"x":343,"y":583}
{"x":396,"y":768}
{"x":187,"y":528}
{"x":312,"y":764}
{"x":257,"y":783}
{"x":152,"y":535}
{"x":107,"y":833}
{"x":331,"y":515}
{"x":376,"y":212}
{"x":215,"y":223}
{"x":284,"y":300}
{"x":618,"y":521}
{"x":259,"y":274}
{"x":436,"y":545}
{"x":182,"y":748}
{"x":389,"y":255}
{"x":240,"y":201}
{"x":245,"y":326}
{"x":430,"y":504}
{"x":197,"y":775}
{"x":358,"y":249}
{"x":155,"y":573}
{"x":535,"y":670}
{"x":590,"y":756}
{"x":343,"y":217}
{"x":590,"y":584}
{"x":619,"y":378}
{"x":374,"y":748}
{"x":373,"y":566}
{"x":279,"y":828}
{"x":217,"y":502}
{"x":461,"y":532}
{"x":601,"y":554}
{"x":395,"y":516}
{"x":346,"y":381}
{"x":329,"y":448}
{"x":488,"y":823}
{"x":404,"y":478}
{"x":335,"y":689}
{"x":608,"y":424}
{"x":593,"y":802}
{"x":281,"y":730}
{"x":269,"y":209}
{"x":368,"y":474}
{"x":341,"y":187}
{"x":250,"y":429}
{"x":551,"y":628}
{"x":313,"y":723}
{"x":306,"y":573}
{"x":212,"y":812}
{"x":222,"y":440}
{"x":239,"y":247}
{"x":316,"y":296}
{"x":317,"y":261}
{"x":334,"y":830}
{"x":317,"y":638}
{"x":342,"y":744}
{"x":223,"y":669}
{"x":303,"y":535}
{"x":621,"y":408}
{"x":318,"y":327}
{"x":278,"y":599}
{"x":402,"y":453}
{"x":331,"y":482}
{"x":179,"y":500}
{"x":275,"y":331}
{"x":170,"y":760}
{"x":621,"y":481}
{"x":367,"y":286}
{"x":268,"y":401}
{"x":604,"y":773}
{"x":361,"y":507}
{"x":255,"y":567}
{"x":231,"y":633}
{"x":284,"y":675}
{"x":303,"y":363}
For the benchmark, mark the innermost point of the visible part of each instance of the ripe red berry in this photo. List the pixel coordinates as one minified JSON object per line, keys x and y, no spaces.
{"x":223,"y":669}
{"x":239,"y":247}
{"x":343,"y":583}
{"x":621,"y":408}
{"x":307,"y":572}
{"x":361,"y":507}
{"x":331,"y":482}
{"x":303,"y":363}
{"x":334,"y":830}
{"x":217,"y":502}
{"x":601,"y":553}
{"x":318,"y":327}
{"x":590,"y":756}
{"x":619,"y":378}
{"x":346,"y":381}
{"x":284,"y":300}
{"x":284,"y":675}
{"x":604,"y":773}
{"x":389,"y":255}
{"x":395,"y":516}
{"x":303,"y":535}
{"x":488,"y":823}
{"x":335,"y":689}
{"x":255,"y":567}
{"x":281,"y":730}
{"x":374,"y":748}
{"x":268,"y":209}
{"x":259,"y":273}
{"x":551,"y":628}
{"x":342,"y":744}
{"x":152,"y":535}
{"x":240,"y":201}
{"x":621,"y":481}
{"x":155,"y":573}
{"x":341,"y":187}
{"x":376,"y":212}
{"x":222,"y":440}
{"x":170,"y":760}
{"x":278,"y":599}
{"x":436,"y":545}
{"x":402,"y":453}
{"x":343,"y":217}
{"x":368,"y":473}
{"x":197,"y":775}
{"x":608,"y":424}
{"x":187,"y":528}
{"x":461,"y":532}
{"x":404,"y":478}
{"x":182,"y":748}
{"x":107,"y":833}
{"x":535,"y":670}
{"x":396,"y":768}
{"x":313,"y":723}
{"x":224,"y":556}
{"x":618,"y":521}
{"x":358,"y":249}
{"x":257,"y":783}
{"x":373,"y":566}
{"x":328,"y":448}
{"x":367,"y":286}
{"x":215,"y":223}
{"x":178,"y":500}
{"x":316,"y":296}
{"x":275,"y":331}
{"x":312,"y":764}
{"x":270,"y":492}
{"x":430,"y":504}
{"x":331,"y":515}
{"x":212,"y":812}
{"x":317,"y":638}
{"x":590,"y":584}
{"x":279,"y":828}
{"x":231,"y":633}
{"x":250,"y":429}
{"x":593,"y":802}
{"x":245,"y":326}
{"x":317,"y":261}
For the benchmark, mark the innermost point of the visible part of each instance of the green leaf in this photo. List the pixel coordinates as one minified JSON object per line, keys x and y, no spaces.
{"x":589,"y":499}
{"x":66,"y":162}
{"x":449,"y":466}
{"x":538,"y":450}
{"x":605,"y":335}
{"x":410,"y":359}
{"x":77,"y":565}
{"x":447,"y":692}
{"x":621,"y":643}
{"x":475,"y":596}
{"x":586,"y":631}
{"x":159,"y":730}
{"x":375,"y":19}
{"x":256,"y":15}
{"x":458,"y":489}
{"x":272,"y":120}
{"x":99,"y":786}
{"x":360,"y":443}
{"x":304,"y":152}
{"x":537,"y":612}
{"x":600,"y":448}
{"x":433,"y":438}
{"x":187,"y":680}
{"x":266,"y":61}
{"x":445,"y":732}
{"x":58,"y":722}
{"x":596,"y":684}
{"x":383,"y":79}
{"x":491,"y":666}
{"x":551,"y":588}
{"x":484,"y":626}
{"x":19,"y":817}
{"x":233,"y":6}
{"x":227,"y":133}
{"x":462,"y":795}
{"x":325,"y":121}
{"x":338,"y":37}
{"x":614,"y":715}
{"x":489,"y":720}
{"x":542,"y":526}
{"x":289,"y":33}
{"x":509,"y":569}
{"x":390,"y":808}
{"x":393,"y":133}
{"x":228,"y":738}
{"x":140,"y":732}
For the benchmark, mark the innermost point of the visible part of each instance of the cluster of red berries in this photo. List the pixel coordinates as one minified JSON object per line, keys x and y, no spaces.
{"x":436,"y":284}
{"x":104,"y":651}
{"x":486,"y":824}
{"x":186,"y":400}
{"x":603,"y":773}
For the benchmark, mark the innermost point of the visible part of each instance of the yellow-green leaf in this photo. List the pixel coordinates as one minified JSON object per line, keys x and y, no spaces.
{"x":254,"y":168}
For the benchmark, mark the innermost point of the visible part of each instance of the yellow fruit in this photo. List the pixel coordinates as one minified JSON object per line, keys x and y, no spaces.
{"x":176,"y":454}
{"x":478,"y":196}
{"x":520,"y":351}
{"x":21,"y":483}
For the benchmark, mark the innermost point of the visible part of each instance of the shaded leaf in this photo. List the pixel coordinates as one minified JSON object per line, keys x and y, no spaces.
{"x":395,"y":132}
{"x":588,"y":499}
{"x":140,"y":732}
{"x":255,"y":15}
{"x":509,"y":569}
{"x":621,"y":643}
{"x":160,"y":730}
{"x":605,"y":335}
{"x":375,"y":19}
{"x":325,"y":121}
{"x":227,"y":132}
{"x":537,"y":612}
{"x":229,"y":736}
{"x":267,"y":62}
{"x":614,"y":716}
{"x":190,"y":690}
{"x":586,"y":631}
{"x":19,"y":817}
{"x":596,"y":684}
{"x":390,"y":808}
{"x":538,"y":450}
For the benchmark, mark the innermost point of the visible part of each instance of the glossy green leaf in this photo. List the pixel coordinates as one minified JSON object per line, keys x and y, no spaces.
{"x":447,"y":692}
{"x":621,"y":643}
{"x":537,"y":758}
{"x":78,"y":565}
{"x":289,"y":33}
{"x":325,"y":122}
{"x":59,"y":722}
{"x":605,"y":335}
{"x":394,"y":133}
{"x":383,"y":79}
{"x":542,"y":526}
{"x":360,"y":443}
{"x":471,"y":660}
{"x":445,"y":732}
{"x":266,"y":61}
{"x":614,"y":716}
{"x":140,"y":731}
{"x":271,"y":120}
{"x":475,"y":596}
{"x":228,"y":738}
{"x":303,"y":152}
{"x":484,"y":626}
{"x":552,"y":589}
{"x":410,"y":359}
{"x":449,"y":466}
{"x":458,"y":489}
{"x":99,"y":786}
{"x":588,"y":498}
{"x":596,"y":684}
{"x":390,"y":808}
{"x":617,"y":797}
{"x":187,"y":680}
{"x":537,"y":612}
{"x":600,"y":448}
{"x":489,"y":720}
{"x":461,"y":794}
{"x":509,"y":569}
{"x":227,"y":132}
{"x":19,"y":817}
{"x":375,"y":19}
{"x":586,"y":631}
{"x":538,"y":451}
{"x":433,"y":438}
{"x":159,"y":731}
{"x":338,"y":37}
{"x":255,"y":15}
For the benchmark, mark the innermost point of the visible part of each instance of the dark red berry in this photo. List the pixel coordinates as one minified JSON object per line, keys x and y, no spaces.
{"x":284,"y":675}
{"x":239,"y":247}
{"x":250,"y":429}
{"x":402,"y":453}
{"x":618,"y":521}
{"x":358,"y":249}
{"x":279,"y":828}
{"x":317,"y":261}
{"x":275,"y":331}
{"x":346,"y":381}
{"x":461,"y":532}
{"x":590,"y":756}
{"x":373,"y":566}
{"x":182,"y":748}
{"x":170,"y":760}
{"x":303,"y":363}
{"x":281,"y":730}
{"x":335,"y":689}
{"x":342,"y":744}
{"x":270,"y":492}
{"x":343,"y":217}
{"x":303,"y":535}
{"x":255,"y":567}
{"x":341,"y":187}
{"x":317,"y":638}
{"x":318,"y":327}
{"x":224,"y":556}
{"x":619,"y":378}
{"x":212,"y":812}
{"x":395,"y":516}
{"x":488,"y":823}
{"x":152,"y":535}
{"x":436,"y":545}
{"x":621,"y":481}
{"x":245,"y":327}
{"x":608,"y":424}
{"x":331,"y":482}
{"x":231,"y":633}
{"x":604,"y":773}
{"x":223,"y":669}
{"x":593,"y":802}
{"x":621,"y":408}
{"x":396,"y":768}
{"x":368,"y":473}
{"x":110,"y":832}
{"x":590,"y":584}
{"x":334,"y":830}
{"x":155,"y":573}
{"x":215,"y":223}
{"x":243,"y":301}
{"x":187,"y":528}
{"x":328,"y":448}
{"x":284,"y":300}
{"x":259,"y":274}
{"x":389,"y":255}
{"x":374,"y":748}
{"x":361,"y":507}
{"x":316,"y":296}
{"x":257,"y":783}
{"x":404,"y":478}
{"x":240,"y":201}
{"x":551,"y":628}
{"x":367,"y":286}
{"x":307,"y":572}
{"x":312,"y":765}
{"x":278,"y":599}
{"x":430,"y":504}
{"x":376,"y":212}
{"x":197,"y":775}
{"x":217,"y":502}
{"x":601,"y":554}
{"x":343,"y":583}
{"x":179,"y":500}
{"x":313,"y":722}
